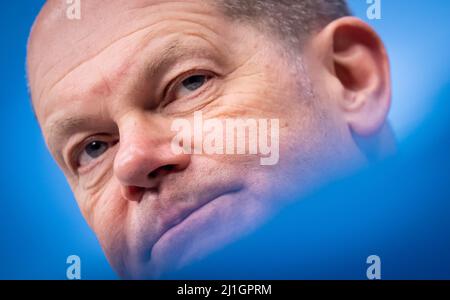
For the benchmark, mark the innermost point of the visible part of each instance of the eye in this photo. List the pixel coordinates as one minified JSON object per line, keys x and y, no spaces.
{"x":91,"y":151}
{"x":189,"y":85}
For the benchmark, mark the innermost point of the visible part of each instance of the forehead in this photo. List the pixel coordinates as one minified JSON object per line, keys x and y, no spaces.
{"x":58,"y":46}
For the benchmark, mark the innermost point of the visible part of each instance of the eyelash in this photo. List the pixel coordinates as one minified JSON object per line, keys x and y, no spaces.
{"x":75,"y":157}
{"x":167,"y":95}
{"x":167,"y":99}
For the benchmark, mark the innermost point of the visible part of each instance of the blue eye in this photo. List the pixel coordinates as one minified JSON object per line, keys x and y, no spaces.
{"x":194,"y":82}
{"x":96,"y":148}
{"x":92,"y":151}
{"x":189,"y":85}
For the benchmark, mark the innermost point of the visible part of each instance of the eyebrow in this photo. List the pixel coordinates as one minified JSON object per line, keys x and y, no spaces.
{"x":66,"y":127}
{"x":69,"y":124}
{"x":170,"y":52}
{"x":61,"y":129}
{"x":173,"y":51}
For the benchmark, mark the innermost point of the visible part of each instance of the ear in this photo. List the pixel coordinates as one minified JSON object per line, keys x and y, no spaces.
{"x":358,"y":63}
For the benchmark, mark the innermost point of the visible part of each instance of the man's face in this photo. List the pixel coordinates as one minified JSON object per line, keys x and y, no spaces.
{"x":106,"y":90}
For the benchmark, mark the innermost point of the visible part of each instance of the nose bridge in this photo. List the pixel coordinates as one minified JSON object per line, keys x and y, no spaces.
{"x":144,"y":147}
{"x":139,"y":131}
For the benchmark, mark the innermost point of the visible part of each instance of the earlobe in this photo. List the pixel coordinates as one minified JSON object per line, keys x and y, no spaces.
{"x":360,"y":66}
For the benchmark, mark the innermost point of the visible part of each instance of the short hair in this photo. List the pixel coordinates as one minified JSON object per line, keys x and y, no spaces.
{"x":290,"y":20}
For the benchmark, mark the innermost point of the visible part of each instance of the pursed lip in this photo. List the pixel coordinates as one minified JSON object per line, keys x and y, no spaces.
{"x":175,"y":217}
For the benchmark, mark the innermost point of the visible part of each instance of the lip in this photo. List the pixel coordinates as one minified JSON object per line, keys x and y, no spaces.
{"x":178,"y":219}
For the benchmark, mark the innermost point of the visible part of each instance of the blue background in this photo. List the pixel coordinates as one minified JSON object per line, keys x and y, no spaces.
{"x":398,"y":209}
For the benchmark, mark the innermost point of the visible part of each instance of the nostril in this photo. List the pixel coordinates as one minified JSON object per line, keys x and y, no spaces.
{"x":153,"y":174}
{"x":161,"y":170}
{"x":132,"y":193}
{"x":168,"y":167}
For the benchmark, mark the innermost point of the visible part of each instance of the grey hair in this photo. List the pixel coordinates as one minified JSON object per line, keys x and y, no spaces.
{"x":290,"y":20}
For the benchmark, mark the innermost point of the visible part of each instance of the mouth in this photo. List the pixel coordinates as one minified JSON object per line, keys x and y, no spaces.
{"x":189,"y":220}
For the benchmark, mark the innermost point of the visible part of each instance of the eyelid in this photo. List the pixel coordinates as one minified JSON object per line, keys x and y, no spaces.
{"x":168,"y":90}
{"x":77,"y":150}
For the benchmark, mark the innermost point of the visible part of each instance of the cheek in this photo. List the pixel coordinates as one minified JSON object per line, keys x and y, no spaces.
{"x":254,"y":91}
{"x":106,"y":213}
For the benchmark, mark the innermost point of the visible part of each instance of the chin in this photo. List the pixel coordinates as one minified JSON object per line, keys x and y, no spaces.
{"x":205,"y":231}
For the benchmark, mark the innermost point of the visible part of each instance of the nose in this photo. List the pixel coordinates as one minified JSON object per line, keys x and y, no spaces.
{"x":145,"y":156}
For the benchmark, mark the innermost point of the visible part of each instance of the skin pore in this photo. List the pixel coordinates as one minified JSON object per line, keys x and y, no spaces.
{"x":106,"y":88}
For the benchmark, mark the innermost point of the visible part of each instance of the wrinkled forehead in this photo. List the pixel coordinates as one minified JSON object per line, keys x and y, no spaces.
{"x":60,"y":41}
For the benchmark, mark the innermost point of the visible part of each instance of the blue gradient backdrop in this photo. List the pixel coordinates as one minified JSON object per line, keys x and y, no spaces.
{"x":398,"y":209}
